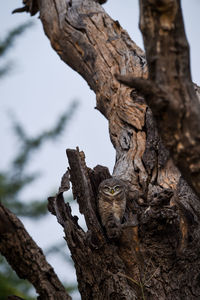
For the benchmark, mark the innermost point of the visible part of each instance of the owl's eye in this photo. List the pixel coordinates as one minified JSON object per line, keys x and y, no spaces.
{"x":106,"y":189}
{"x":117,"y":188}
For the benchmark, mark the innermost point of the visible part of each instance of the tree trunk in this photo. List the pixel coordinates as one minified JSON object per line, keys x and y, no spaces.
{"x":157,"y":254}
{"x":169,"y":90}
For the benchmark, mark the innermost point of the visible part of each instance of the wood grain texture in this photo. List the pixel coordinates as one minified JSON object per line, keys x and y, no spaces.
{"x":27,"y":259}
{"x":96,"y":261}
{"x":157,"y":256}
{"x":167,"y":53}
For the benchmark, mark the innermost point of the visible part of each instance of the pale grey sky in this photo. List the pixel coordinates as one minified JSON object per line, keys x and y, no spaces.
{"x":41,"y":87}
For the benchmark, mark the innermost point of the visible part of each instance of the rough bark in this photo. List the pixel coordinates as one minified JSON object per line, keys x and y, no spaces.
{"x":157,"y":255}
{"x":100,"y":270}
{"x":169,"y":90}
{"x":27,"y":259}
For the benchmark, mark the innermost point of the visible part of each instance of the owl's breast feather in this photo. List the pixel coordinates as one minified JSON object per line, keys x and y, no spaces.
{"x":116,"y":210}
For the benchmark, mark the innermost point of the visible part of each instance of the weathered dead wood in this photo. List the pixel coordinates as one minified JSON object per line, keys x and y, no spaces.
{"x":149,"y":253}
{"x":27,"y":259}
{"x":101,"y":272}
{"x":157,"y":256}
{"x":169,"y":90}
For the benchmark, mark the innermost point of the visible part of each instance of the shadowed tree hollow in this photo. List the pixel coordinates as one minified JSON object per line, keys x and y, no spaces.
{"x":144,"y":245}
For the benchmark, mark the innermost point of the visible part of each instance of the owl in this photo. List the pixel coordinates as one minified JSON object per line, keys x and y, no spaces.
{"x":111,"y":205}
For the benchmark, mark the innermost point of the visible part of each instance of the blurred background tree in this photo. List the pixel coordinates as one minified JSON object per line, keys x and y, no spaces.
{"x":15,"y":178}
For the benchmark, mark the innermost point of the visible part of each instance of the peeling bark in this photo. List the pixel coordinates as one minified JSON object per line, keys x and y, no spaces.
{"x":157,"y":256}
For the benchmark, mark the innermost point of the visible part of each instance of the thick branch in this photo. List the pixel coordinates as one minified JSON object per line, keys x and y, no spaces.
{"x":97,"y":47}
{"x":27,"y":259}
{"x":175,"y":104}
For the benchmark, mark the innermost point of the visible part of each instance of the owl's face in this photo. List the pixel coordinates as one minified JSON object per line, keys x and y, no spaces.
{"x":112,"y":187}
{"x":112,"y":190}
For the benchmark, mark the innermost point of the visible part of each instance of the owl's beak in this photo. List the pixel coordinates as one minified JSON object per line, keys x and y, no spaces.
{"x":112,"y":191}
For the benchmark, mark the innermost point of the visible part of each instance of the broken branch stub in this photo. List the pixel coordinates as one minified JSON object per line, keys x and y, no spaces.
{"x":82,"y":189}
{"x":91,"y":248}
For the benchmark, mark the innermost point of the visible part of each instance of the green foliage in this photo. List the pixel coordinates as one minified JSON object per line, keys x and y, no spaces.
{"x":15,"y":179}
{"x":12,"y":183}
{"x":10,"y":283}
{"x":28,"y":145}
{"x":8,"y":42}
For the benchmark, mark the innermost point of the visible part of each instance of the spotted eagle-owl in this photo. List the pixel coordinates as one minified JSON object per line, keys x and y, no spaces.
{"x":111,"y":205}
